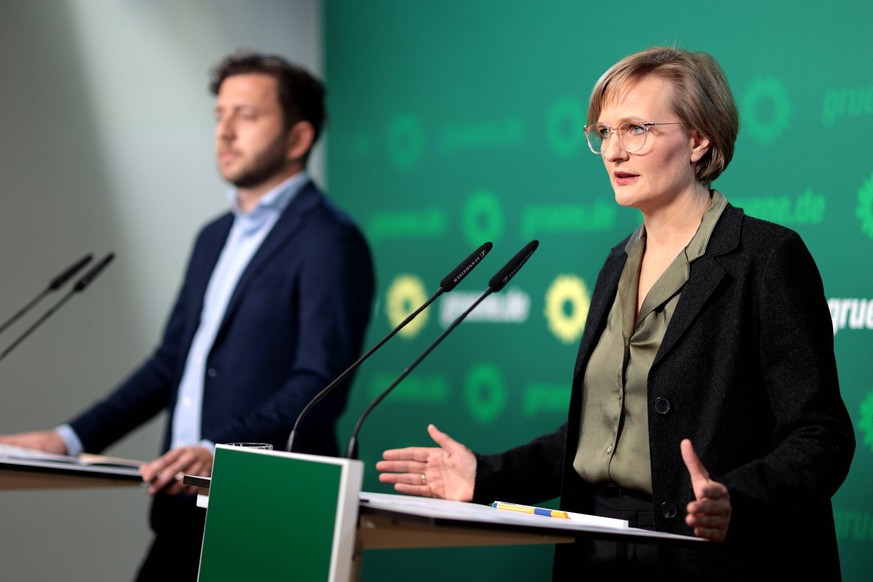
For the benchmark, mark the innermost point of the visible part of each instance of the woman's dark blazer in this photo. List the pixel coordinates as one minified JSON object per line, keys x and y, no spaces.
{"x":746,"y":370}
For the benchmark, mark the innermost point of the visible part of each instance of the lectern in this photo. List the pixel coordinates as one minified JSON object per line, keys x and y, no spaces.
{"x":273,"y":515}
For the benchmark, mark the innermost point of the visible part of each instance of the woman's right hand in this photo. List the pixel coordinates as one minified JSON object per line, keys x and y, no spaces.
{"x":447,"y":471}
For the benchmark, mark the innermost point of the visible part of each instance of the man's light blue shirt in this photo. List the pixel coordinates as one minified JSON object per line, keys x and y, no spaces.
{"x":246,"y":235}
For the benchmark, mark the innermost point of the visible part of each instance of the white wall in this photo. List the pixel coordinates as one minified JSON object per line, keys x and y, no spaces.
{"x":105,"y":146}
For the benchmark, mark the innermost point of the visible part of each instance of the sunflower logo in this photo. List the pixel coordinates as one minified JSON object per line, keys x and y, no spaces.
{"x":405,"y":294}
{"x":865,"y":207}
{"x":567,"y":303}
{"x":766,"y":94}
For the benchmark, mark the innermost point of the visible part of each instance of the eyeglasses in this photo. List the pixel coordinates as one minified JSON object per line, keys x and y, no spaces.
{"x":631,"y":135}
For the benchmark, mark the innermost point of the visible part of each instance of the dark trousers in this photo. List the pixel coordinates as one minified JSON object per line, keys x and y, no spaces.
{"x":639,"y":512}
{"x":607,"y":559}
{"x":174,"y":554}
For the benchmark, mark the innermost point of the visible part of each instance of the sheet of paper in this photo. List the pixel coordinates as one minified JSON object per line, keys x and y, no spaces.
{"x":15,"y":452}
{"x":458,"y":509}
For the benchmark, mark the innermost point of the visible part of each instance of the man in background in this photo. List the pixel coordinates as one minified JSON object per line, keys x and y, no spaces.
{"x":274,"y":305}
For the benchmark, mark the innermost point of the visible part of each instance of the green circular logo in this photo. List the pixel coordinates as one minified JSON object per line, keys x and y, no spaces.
{"x":485,"y":393}
{"x":405,"y":141}
{"x":865,"y":207}
{"x":564,"y":123}
{"x":483,"y":218}
{"x":766,"y":109}
{"x":866,"y":422}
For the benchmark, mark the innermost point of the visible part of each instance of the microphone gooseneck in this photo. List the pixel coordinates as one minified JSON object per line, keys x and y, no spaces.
{"x":497,"y":282}
{"x":448,"y":283}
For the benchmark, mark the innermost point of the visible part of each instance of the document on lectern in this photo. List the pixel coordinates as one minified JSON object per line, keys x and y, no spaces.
{"x":12,"y":452}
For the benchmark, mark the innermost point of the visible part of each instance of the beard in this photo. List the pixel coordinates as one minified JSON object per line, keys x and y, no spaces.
{"x":265,"y":166}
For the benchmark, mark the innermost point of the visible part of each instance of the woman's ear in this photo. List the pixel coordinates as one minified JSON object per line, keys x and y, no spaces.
{"x":699,"y":145}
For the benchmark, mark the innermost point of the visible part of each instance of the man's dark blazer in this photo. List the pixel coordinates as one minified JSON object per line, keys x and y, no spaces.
{"x":746,"y":370}
{"x":295,"y":321}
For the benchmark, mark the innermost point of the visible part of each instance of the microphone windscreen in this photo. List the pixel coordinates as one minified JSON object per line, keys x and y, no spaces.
{"x":95,"y":270}
{"x":509,"y":270}
{"x":458,"y":273}
{"x":58,"y":281}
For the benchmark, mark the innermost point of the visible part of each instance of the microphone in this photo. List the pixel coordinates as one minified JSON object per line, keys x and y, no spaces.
{"x":79,"y":286}
{"x":497,"y":282}
{"x":54,"y":285}
{"x":448,"y":283}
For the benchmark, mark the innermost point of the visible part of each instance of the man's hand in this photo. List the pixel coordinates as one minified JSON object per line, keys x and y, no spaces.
{"x":710,"y":513}
{"x":166,"y":472}
{"x":42,"y":440}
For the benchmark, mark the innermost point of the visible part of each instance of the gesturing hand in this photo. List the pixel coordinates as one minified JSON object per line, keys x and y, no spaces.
{"x":447,"y":471}
{"x":710,"y":513}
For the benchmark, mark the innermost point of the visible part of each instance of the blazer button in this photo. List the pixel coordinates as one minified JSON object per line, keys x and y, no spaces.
{"x":662,"y":405}
{"x":668,"y":510}
{"x":212,"y":372}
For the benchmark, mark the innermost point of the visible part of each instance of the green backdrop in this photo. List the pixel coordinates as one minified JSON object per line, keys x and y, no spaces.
{"x":457,"y":122}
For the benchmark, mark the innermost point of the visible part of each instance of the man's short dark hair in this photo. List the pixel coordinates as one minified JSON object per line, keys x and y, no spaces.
{"x":301,"y":95}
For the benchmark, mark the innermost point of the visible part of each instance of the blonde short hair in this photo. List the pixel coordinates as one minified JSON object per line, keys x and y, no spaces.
{"x":702,"y":98}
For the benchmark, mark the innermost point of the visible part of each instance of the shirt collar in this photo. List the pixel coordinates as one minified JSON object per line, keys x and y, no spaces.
{"x":270,"y":204}
{"x":697,"y":246}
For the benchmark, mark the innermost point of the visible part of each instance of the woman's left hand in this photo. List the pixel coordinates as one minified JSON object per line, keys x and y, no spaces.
{"x":710,"y":513}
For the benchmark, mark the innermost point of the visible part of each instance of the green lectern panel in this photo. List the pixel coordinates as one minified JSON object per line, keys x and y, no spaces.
{"x":275,"y":516}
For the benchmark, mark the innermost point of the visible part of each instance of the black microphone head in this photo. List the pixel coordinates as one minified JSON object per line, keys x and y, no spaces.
{"x":86,"y":279}
{"x":509,"y":270}
{"x":58,"y":281}
{"x":452,"y":279}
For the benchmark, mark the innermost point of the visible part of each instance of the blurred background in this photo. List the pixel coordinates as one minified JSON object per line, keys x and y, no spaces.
{"x":451,"y":124}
